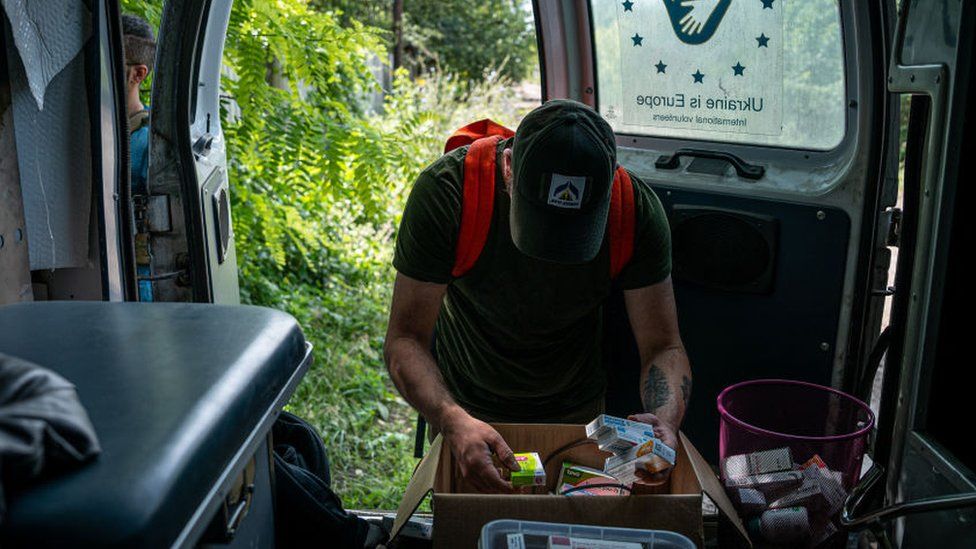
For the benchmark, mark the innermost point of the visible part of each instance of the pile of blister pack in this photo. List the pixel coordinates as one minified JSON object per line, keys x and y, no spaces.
{"x":783,"y":501}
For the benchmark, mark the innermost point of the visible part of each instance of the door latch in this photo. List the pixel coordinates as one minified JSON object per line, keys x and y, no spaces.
{"x":201,"y":147}
{"x":891,"y":224}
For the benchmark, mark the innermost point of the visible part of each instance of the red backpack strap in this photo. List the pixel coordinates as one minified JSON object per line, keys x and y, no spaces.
{"x":621,"y":221}
{"x":477,"y":203}
{"x":474,"y":131}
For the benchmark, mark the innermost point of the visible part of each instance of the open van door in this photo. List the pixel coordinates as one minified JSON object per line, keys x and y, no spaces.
{"x":922,"y":489}
{"x":766,"y":129}
{"x":186,"y":217}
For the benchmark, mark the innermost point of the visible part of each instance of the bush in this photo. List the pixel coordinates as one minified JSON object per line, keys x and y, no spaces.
{"x":317,"y":186}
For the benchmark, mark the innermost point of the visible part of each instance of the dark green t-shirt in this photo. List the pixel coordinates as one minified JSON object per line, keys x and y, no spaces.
{"x":517,"y":337}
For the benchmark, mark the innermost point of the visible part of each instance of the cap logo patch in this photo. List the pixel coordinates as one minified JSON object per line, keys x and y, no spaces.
{"x":566,"y":191}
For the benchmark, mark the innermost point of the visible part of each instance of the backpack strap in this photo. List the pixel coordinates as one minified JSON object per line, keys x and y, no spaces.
{"x":477,"y":203}
{"x":476,"y":130}
{"x":621,"y":221}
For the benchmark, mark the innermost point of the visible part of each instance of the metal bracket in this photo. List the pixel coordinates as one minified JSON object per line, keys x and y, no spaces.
{"x":887,"y":291}
{"x":931,"y":80}
{"x":850,"y":521}
{"x":159,"y":218}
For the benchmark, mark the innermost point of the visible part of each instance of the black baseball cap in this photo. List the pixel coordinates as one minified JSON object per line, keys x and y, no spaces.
{"x":563,"y":161}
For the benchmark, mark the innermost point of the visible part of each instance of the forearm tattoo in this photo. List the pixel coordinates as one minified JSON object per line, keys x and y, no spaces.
{"x":685,"y":389}
{"x":657,"y":392}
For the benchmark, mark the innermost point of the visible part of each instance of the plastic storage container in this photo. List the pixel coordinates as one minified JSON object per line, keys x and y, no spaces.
{"x":790,"y":452}
{"x":535,"y":535}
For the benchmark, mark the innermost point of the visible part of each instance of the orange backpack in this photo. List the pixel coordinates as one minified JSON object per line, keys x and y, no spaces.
{"x":478,"y":198}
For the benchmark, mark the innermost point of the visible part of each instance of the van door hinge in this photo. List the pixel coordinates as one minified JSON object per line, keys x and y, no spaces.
{"x":891,"y":226}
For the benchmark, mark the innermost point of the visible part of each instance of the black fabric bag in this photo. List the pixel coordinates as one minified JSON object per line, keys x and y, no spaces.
{"x":307,"y":511}
{"x":44,"y":429}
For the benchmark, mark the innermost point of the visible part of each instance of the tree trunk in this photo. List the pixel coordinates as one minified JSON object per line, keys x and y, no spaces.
{"x":397,"y":34}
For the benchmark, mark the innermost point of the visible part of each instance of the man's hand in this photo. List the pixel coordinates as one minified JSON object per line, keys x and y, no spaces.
{"x":472,"y":443}
{"x":413,"y":312}
{"x":662,"y":430}
{"x":668,"y":436}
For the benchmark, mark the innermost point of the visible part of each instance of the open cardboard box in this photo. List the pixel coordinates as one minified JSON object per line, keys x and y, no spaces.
{"x":460,"y":512}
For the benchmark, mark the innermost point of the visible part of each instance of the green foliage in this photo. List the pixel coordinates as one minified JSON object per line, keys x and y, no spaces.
{"x":150,"y":11}
{"x":318,"y":184}
{"x":473,"y":38}
{"x":373,"y":13}
{"x":469,"y":38}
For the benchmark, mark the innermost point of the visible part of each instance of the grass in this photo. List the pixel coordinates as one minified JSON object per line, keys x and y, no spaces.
{"x":347,"y":395}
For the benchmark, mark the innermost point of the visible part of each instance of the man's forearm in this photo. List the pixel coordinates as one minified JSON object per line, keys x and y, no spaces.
{"x":666,"y":385}
{"x":418,"y":379}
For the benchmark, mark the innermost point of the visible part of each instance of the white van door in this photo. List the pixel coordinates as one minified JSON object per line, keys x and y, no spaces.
{"x":188,"y":158}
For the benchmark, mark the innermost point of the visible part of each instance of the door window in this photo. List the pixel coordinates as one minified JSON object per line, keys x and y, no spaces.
{"x":762,"y":72}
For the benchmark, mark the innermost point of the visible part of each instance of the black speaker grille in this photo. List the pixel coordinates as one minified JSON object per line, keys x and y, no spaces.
{"x":723,"y":250}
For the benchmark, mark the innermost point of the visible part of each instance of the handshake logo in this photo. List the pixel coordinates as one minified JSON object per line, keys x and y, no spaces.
{"x":695,"y":21}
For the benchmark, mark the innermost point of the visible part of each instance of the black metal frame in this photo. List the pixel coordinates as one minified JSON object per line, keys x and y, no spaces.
{"x":877,"y":521}
{"x":861,"y":341}
{"x":106,"y":13}
{"x":914,"y":150}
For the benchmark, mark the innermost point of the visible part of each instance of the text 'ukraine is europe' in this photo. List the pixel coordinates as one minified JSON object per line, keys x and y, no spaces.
{"x":679,"y":101}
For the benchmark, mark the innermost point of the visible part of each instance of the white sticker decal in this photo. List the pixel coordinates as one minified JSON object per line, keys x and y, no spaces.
{"x":702,"y":65}
{"x":566,"y":191}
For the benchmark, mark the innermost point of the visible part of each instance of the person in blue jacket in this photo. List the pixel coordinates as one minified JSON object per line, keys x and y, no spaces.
{"x":139,"y":45}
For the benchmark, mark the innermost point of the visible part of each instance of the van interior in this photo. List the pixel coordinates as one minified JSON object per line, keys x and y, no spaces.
{"x":801,"y":250}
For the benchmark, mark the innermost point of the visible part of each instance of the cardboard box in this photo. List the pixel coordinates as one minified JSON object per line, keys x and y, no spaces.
{"x":460,"y":511}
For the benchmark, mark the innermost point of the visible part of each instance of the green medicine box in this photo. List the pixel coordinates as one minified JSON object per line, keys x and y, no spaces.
{"x":531,"y":472}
